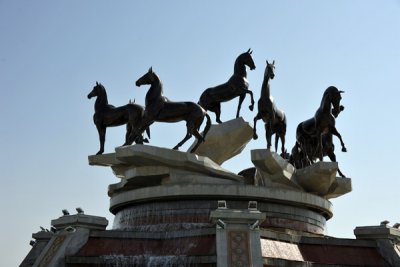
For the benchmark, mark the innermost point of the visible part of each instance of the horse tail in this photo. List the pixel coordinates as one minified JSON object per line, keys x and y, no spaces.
{"x":207,"y":127}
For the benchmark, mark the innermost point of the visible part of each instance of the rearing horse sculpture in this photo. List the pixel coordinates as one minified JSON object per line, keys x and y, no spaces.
{"x":309,"y":133}
{"x":106,"y":115}
{"x":161,"y":109}
{"x":237,"y":85}
{"x":273,"y":117}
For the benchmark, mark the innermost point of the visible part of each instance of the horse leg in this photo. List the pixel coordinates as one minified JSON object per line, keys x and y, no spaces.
{"x":128,"y":133}
{"x":256,"y":118}
{"x":218,"y":112}
{"x":268,"y":134}
{"x":102,"y":137}
{"x":199,"y":140}
{"x":331,"y":154}
{"x":335,"y":132}
{"x":241,"y":98}
{"x":187,"y":137}
{"x":252,"y":99}
{"x":282,"y":136}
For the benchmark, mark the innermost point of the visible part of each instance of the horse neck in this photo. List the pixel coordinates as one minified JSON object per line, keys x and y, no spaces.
{"x":101,"y":100}
{"x":265,"y":91}
{"x":239,"y":68}
{"x":326,"y":103}
{"x":155,"y":91}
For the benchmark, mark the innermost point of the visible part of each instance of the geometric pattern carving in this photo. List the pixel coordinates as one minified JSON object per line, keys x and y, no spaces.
{"x":238,"y":248}
{"x":52,"y":250}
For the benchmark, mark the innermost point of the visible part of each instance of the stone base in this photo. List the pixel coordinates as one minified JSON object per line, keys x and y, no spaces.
{"x":180,"y":206}
{"x":150,"y":166}
{"x":225,"y":140}
{"x":273,"y":170}
{"x":320,"y":179}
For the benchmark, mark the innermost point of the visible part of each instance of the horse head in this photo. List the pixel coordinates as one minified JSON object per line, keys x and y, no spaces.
{"x":98,"y":90}
{"x":147,"y":78}
{"x":270,"y":70}
{"x":335,"y":96}
{"x":247,"y":59}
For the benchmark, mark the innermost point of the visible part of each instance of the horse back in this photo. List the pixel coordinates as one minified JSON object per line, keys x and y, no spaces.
{"x":116,"y":116}
{"x":178,"y":111}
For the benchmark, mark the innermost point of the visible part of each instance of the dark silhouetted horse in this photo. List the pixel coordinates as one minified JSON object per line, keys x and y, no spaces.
{"x":273,"y":117}
{"x":106,"y":115}
{"x":237,"y":85}
{"x":159,"y":108}
{"x":309,"y":133}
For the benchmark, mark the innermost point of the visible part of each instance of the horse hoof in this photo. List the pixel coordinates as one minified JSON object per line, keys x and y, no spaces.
{"x":99,"y":153}
{"x":251,"y":108}
{"x":255,"y":137}
{"x":344,"y":149}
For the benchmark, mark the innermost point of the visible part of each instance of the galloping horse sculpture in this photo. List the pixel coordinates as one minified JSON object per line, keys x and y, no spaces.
{"x":237,"y":85}
{"x":299,"y":159}
{"x":309,"y":133}
{"x":106,"y":115}
{"x":274,"y":118}
{"x":161,"y":109}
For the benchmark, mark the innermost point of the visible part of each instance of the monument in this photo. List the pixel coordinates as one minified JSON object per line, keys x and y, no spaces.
{"x":176,"y":208}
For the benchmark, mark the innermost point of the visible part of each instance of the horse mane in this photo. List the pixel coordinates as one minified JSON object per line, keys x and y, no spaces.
{"x":331,"y":89}
{"x":101,"y":87}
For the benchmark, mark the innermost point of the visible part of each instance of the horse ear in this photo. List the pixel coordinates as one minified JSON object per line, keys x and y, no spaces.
{"x":273,"y":62}
{"x":248,"y":51}
{"x":267,"y":61}
{"x":341,"y":91}
{"x":151,"y":69}
{"x":97,"y":83}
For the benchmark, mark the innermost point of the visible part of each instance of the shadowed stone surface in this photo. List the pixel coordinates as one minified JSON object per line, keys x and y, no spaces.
{"x":225,"y":140}
{"x":317,"y":178}
{"x":339,"y":187}
{"x":272,"y":169}
{"x":145,"y":160}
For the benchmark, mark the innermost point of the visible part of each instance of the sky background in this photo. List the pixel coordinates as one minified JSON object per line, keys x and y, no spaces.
{"x":53,"y":52}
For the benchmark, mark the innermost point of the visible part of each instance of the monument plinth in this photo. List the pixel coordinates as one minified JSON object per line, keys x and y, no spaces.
{"x":167,"y":189}
{"x":174,"y":208}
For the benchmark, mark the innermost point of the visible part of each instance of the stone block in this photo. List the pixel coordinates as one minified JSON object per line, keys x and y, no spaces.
{"x":272,"y":169}
{"x":155,"y":176}
{"x":339,"y":187}
{"x":225,"y":140}
{"x":80,"y":221}
{"x":150,"y":156}
{"x":317,"y":178}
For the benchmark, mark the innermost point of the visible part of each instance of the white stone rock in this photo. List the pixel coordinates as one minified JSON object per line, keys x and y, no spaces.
{"x":272,"y":169}
{"x":317,"y":178}
{"x":225,"y":140}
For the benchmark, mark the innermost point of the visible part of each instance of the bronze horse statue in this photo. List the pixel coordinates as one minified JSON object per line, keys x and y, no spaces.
{"x":309,"y":133}
{"x":161,"y":109}
{"x":273,"y":117}
{"x":106,"y":115}
{"x":237,"y":85}
{"x":298,"y":158}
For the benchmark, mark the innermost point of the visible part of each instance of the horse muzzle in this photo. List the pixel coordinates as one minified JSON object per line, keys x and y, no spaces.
{"x":138,"y":83}
{"x":89,"y":96}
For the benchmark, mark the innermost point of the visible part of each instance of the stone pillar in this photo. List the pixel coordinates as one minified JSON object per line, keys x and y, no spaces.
{"x":238,"y":235}
{"x":387,"y":240}
{"x":71,"y":233}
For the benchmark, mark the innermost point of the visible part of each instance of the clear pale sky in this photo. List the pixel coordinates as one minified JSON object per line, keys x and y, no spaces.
{"x":53,"y":52}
